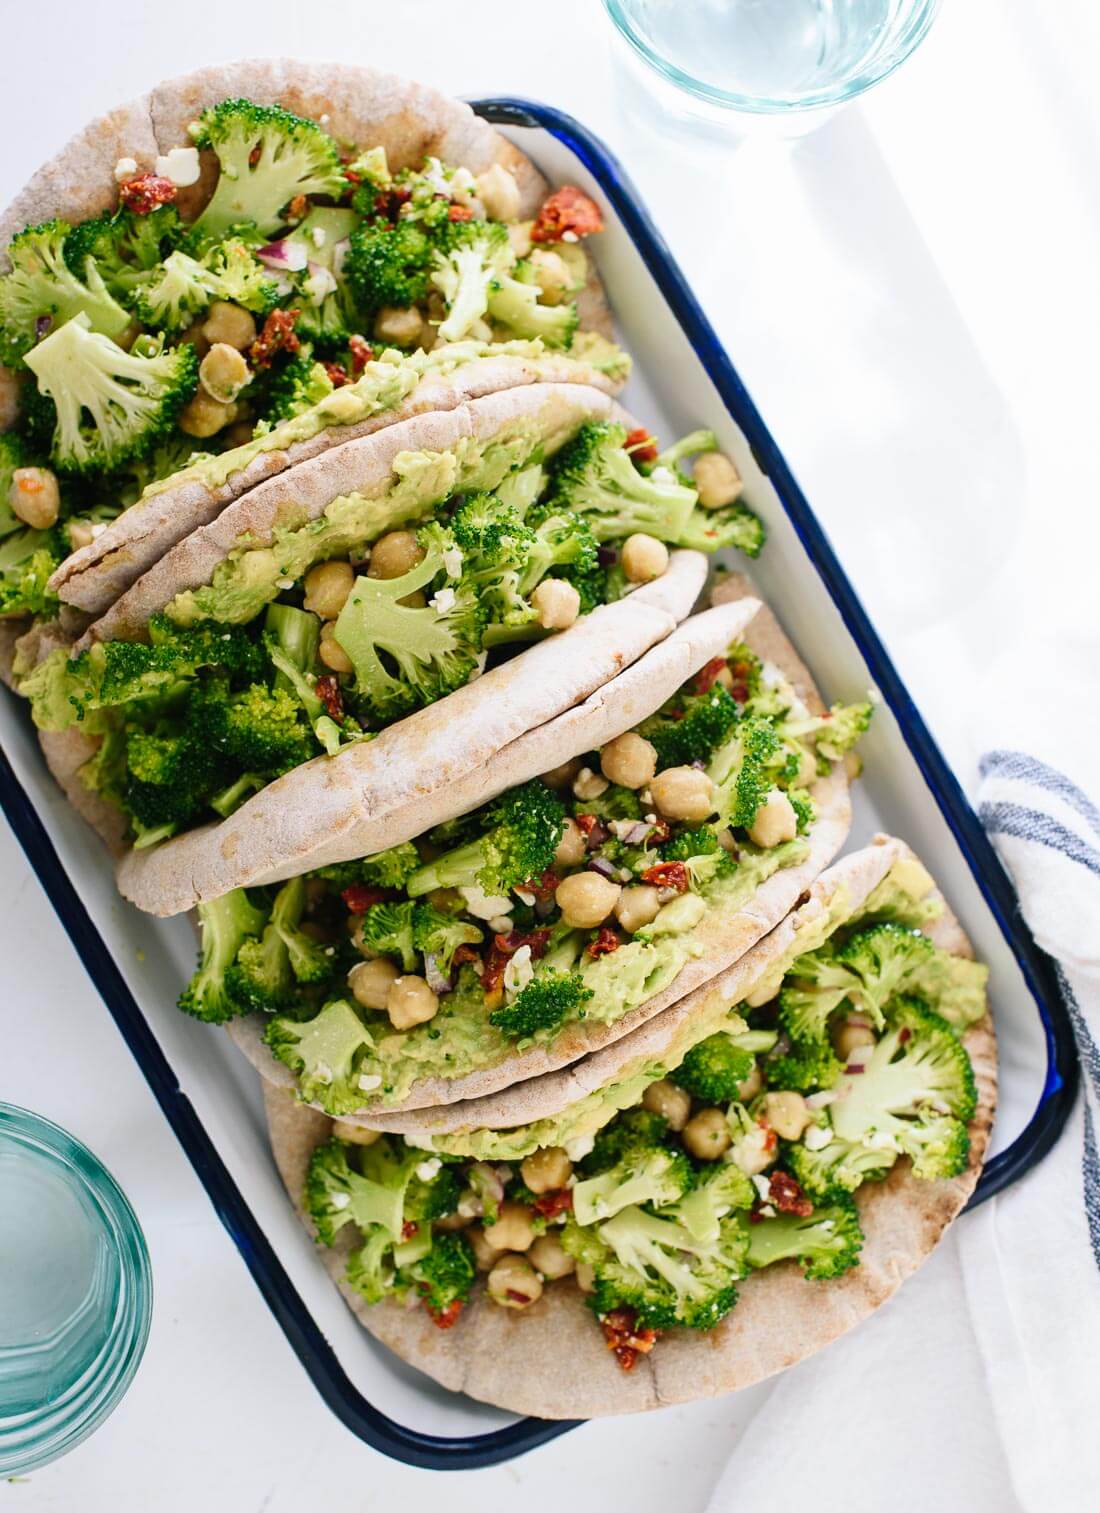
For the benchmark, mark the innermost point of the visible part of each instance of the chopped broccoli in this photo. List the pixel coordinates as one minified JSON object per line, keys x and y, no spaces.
{"x":883,"y":959}
{"x":226,"y":923}
{"x":544,"y":1004}
{"x":264,"y":732}
{"x":28,"y":559}
{"x":110,"y":404}
{"x":310,"y":961}
{"x":42,"y":289}
{"x":374,"y":1197}
{"x":721,"y":1188}
{"x":127,"y":249}
{"x":514,"y":303}
{"x":389,"y":265}
{"x":814,"y":987}
{"x":703,"y":853}
{"x":838,"y":1167}
{"x":386,"y":869}
{"x":13,"y":454}
{"x":387,"y":929}
{"x":712,"y":530}
{"x":628,"y":1134}
{"x":659,"y":1176}
{"x":324,"y":1053}
{"x":825,"y":1243}
{"x":807,"y":1067}
{"x":174,"y":769}
{"x":593,"y":475}
{"x":440,"y":935}
{"x":713,"y":1070}
{"x":522,"y":831}
{"x":299,"y":383}
{"x":694,"y":442}
{"x":469,"y":258}
{"x":260,"y":978}
{"x":835,"y":733}
{"x":432,"y":649}
{"x":739,"y":774}
{"x":184,"y":286}
{"x":565,"y":546}
{"x":445,"y":1276}
{"x":616,"y":803}
{"x":691,"y":728}
{"x":268,"y":157}
{"x":325,"y":316}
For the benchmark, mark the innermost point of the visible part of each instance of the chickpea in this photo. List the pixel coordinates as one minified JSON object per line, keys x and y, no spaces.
{"x":128,"y":335}
{"x":514,"y":1228}
{"x":203,"y":416}
{"x":545,"y":1171}
{"x":35,"y":497}
{"x":239,"y":434}
{"x":707,"y":1136}
{"x":394,"y":554}
{"x":327,"y":587}
{"x":775,"y":821}
{"x":223,"y":372}
{"x":751,"y":1085}
{"x":354,"y":1134}
{"x":410,"y":1001}
{"x":552,"y":275}
{"x":498,"y":192}
{"x":451,"y":1222}
{"x":562,"y":777}
{"x":331,"y":653}
{"x":558,"y":604}
{"x":547,"y":1256}
{"x":716,"y":480}
{"x":81,"y":533}
{"x":195,"y":336}
{"x":629,"y":760}
{"x":10,"y":385}
{"x":398,"y":327}
{"x":643,"y":558}
{"x":787,"y":1114}
{"x":486,"y":1256}
{"x":589,"y":785}
{"x":637,"y":906}
{"x":586,"y":899}
{"x":519,"y":237}
{"x":228,"y":324}
{"x":683,"y":793}
{"x":668,"y":1100}
{"x":514,"y":1283}
{"x":849,"y":1037}
{"x":586,"y":1276}
{"x":371,"y":981}
{"x":571,"y":848}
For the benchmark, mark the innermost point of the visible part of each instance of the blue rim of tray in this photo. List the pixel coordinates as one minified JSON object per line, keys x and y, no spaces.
{"x":468,"y":1452}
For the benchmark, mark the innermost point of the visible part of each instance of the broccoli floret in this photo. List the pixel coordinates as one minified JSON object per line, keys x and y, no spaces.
{"x":713,"y":1070}
{"x":883,"y":959}
{"x":174,"y":769}
{"x":691,"y":728}
{"x":374,"y":1197}
{"x":387,"y":930}
{"x":299,"y":384}
{"x":514,"y":303}
{"x":310,"y":961}
{"x":433,"y":649}
{"x":445,"y":1276}
{"x":825,"y":1243}
{"x":126,"y":249}
{"x":386,"y":869}
{"x":630,"y":1133}
{"x":565,"y":546}
{"x":838,"y":1167}
{"x":43,"y":289}
{"x":226,"y":923}
{"x":721,"y":1189}
{"x":185,"y":285}
{"x":703,"y":854}
{"x":658,"y":1176}
{"x":389,"y":265}
{"x":594,"y":476}
{"x":440,"y":935}
{"x":268,"y":157}
{"x":110,"y":404}
{"x":324,"y":1053}
{"x":324,"y":303}
{"x":28,"y":559}
{"x":264,"y":732}
{"x":260,"y":978}
{"x":702,"y":440}
{"x":833,"y":734}
{"x":545,"y":1003}
{"x":616,"y":803}
{"x":712,"y":530}
{"x":738,"y":770}
{"x":807,"y":1067}
{"x":469,"y":258}
{"x":814,"y":987}
{"x":495,"y":546}
{"x":522,"y":831}
{"x":432,"y":1197}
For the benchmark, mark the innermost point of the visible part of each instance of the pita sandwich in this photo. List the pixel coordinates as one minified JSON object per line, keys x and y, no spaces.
{"x":659,"y":906}
{"x":511,"y":1327}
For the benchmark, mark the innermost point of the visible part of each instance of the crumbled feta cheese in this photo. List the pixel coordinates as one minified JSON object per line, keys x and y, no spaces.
{"x":481,"y":906}
{"x":501,"y":925}
{"x":661,"y":474}
{"x":368,"y":1082}
{"x":443,"y":601}
{"x":318,"y":233}
{"x":452,"y":561}
{"x":577,"y":1149}
{"x":319,"y":285}
{"x":751,"y":1153}
{"x":817,"y":1137}
{"x":479,"y":667}
{"x":181,"y":165}
{"x":525,"y":896}
{"x":767,"y":1210}
{"x":470,"y":1206}
{"x":340,"y":1200}
{"x":284,"y":582}
{"x":125,"y":168}
{"x":763,"y":1187}
{"x":324,"y":118}
{"x":429,"y":1169}
{"x":518,"y":973}
{"x":860,"y":1055}
{"x":570,"y":236}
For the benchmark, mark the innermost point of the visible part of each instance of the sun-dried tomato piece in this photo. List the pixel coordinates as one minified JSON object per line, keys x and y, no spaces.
{"x":567,"y":215}
{"x":297,"y":208}
{"x":459,"y":213}
{"x":668,"y":875}
{"x":254,"y":156}
{"x":444,"y":1318}
{"x":463,"y":954}
{"x":492,"y":976}
{"x":543,"y":887}
{"x":509,"y":944}
{"x":741,"y":673}
{"x":327,"y":690}
{"x":606,"y":941}
{"x":408,"y":1229}
{"x":144,"y":193}
{"x":625,"y":1337}
{"x":278,"y":335}
{"x":641,"y":445}
{"x":788,"y":1196}
{"x":361,"y":352}
{"x":705,"y":679}
{"x":360,"y":897}
{"x":549,"y":1205}
{"x":337,"y":374}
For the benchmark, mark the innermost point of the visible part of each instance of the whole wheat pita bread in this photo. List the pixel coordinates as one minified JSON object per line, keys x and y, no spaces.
{"x":375,"y":793}
{"x":551,"y":411}
{"x":357,"y":105}
{"x":551,"y":1359}
{"x":724,"y":935}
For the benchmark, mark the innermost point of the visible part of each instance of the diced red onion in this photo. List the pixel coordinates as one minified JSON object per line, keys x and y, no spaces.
{"x":544,"y":907}
{"x":284,"y":255}
{"x":596,"y":836}
{"x":605,"y":868}
{"x":434,"y":977}
{"x":607,"y":556}
{"x":855,"y":1068}
{"x":42,"y":326}
{"x":636,"y":834}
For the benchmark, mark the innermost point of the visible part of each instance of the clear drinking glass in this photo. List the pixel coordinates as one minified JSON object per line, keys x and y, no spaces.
{"x":75,"y":1292}
{"x":771,"y":57}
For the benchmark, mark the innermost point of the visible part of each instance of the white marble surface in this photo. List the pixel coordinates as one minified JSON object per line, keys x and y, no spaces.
{"x":911,"y":296}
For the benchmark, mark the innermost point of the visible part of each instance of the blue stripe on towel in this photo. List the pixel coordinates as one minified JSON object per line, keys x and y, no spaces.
{"x":1090,"y":1171}
{"x":1087,"y":1049}
{"x":1034,"y":825}
{"x":1017,"y":764}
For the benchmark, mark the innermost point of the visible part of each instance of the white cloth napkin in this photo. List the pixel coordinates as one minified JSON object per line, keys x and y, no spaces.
{"x":978,"y":1387}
